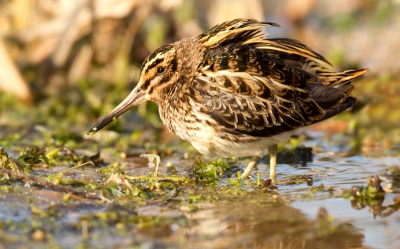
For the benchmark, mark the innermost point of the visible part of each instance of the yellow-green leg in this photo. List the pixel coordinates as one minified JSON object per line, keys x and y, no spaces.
{"x":273,"y":152}
{"x":250,"y":166}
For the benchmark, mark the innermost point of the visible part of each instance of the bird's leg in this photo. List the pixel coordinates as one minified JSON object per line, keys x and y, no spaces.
{"x":273,"y":152}
{"x":250,"y":166}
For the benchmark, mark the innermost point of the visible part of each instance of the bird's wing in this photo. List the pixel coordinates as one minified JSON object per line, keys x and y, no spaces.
{"x":263,"y":103}
{"x":250,"y":85}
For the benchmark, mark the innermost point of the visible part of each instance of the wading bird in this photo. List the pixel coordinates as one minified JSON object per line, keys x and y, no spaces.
{"x":232,"y":92}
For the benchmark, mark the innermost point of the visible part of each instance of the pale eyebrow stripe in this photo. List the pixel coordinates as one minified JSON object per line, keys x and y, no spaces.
{"x":159,"y":53}
{"x":153,"y":64}
{"x":158,"y":58}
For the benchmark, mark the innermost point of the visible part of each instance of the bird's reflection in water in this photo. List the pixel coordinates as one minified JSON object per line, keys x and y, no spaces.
{"x":268,"y":223}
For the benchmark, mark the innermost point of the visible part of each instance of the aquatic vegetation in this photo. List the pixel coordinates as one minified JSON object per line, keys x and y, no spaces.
{"x":209,"y":172}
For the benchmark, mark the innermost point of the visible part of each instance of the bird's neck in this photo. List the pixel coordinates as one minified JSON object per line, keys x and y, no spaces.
{"x":189,"y":56}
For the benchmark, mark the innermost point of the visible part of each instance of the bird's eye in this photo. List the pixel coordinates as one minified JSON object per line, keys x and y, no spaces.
{"x":160,"y":70}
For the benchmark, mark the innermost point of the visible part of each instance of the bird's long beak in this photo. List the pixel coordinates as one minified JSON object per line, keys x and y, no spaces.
{"x":136,"y":97}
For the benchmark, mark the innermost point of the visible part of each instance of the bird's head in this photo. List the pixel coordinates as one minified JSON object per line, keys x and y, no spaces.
{"x":158,"y":75}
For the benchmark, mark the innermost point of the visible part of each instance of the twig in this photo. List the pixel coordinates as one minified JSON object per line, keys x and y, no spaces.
{"x":46,"y":184}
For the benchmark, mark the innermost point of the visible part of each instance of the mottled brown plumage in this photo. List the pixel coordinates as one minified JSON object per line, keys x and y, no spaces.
{"x":232,"y":92}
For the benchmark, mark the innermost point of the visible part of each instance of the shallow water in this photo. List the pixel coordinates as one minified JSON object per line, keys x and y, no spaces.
{"x":290,"y":219}
{"x":225,"y":214}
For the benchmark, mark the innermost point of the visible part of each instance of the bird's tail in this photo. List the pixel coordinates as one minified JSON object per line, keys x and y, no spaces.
{"x":338,"y":79}
{"x":332,"y":92}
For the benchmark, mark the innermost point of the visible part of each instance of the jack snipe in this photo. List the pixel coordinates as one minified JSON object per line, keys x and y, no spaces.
{"x":232,"y":92}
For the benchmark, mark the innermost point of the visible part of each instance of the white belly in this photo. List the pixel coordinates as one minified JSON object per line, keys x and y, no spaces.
{"x":208,"y":142}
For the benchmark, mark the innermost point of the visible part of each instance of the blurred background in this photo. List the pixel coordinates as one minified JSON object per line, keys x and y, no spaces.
{"x":64,"y":64}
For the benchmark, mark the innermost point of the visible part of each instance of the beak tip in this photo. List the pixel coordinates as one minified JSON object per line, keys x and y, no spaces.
{"x":92,"y":131}
{"x":125,"y":105}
